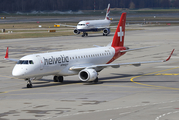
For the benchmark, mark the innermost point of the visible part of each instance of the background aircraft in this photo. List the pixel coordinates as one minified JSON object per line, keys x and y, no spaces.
{"x":93,"y":25}
{"x":86,"y":63}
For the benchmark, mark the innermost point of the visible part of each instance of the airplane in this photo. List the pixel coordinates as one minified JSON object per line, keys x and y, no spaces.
{"x":93,"y":25}
{"x":86,"y":63}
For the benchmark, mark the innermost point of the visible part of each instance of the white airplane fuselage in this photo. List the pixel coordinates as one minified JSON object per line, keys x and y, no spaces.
{"x":59,"y":63}
{"x":93,"y":25}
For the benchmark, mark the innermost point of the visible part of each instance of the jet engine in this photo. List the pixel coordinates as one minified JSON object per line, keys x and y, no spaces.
{"x":88,"y":75}
{"x":106,"y":31}
{"x":76,"y":31}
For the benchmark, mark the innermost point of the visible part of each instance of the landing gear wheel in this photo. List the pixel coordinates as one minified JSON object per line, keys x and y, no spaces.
{"x":29,"y":84}
{"x":96,"y":80}
{"x":55,"y":78}
{"x":60,"y":78}
{"x":85,"y":34}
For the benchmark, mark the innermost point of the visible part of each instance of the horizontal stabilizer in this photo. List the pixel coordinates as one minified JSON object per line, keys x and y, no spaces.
{"x":136,"y":49}
{"x":7,"y":56}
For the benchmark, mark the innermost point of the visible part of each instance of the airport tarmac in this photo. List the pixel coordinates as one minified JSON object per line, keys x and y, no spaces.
{"x":148,"y":92}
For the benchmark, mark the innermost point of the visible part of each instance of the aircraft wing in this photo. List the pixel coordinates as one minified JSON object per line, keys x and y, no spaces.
{"x":7,"y":56}
{"x":113,"y":26}
{"x":10,"y":59}
{"x":66,"y":25}
{"x":101,"y":27}
{"x":118,"y":65}
{"x":136,"y":49}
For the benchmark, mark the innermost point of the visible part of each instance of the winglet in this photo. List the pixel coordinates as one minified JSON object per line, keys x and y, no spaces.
{"x":7,"y":53}
{"x":169,"y":56}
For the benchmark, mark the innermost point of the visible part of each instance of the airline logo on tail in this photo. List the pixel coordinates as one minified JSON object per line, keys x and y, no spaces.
{"x":118,"y":39}
{"x":107,"y":12}
{"x":120,"y":34}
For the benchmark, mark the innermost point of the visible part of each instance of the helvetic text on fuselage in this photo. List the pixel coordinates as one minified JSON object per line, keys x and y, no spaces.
{"x":56,"y":60}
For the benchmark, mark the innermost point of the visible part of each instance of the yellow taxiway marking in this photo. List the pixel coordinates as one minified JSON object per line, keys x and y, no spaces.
{"x":161,"y":87}
{"x":167,"y":74}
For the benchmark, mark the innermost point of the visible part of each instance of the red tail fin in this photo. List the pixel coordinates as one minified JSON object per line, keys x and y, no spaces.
{"x":118,"y":39}
{"x":107,"y":12}
{"x":7,"y":53}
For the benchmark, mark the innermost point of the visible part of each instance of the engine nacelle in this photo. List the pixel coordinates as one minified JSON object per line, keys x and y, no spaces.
{"x":106,"y":31}
{"x":76,"y":31}
{"x":88,"y":75}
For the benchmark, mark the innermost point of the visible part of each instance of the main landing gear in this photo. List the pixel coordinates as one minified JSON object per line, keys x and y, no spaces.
{"x":96,"y":80}
{"x":84,"y":34}
{"x":58,"y":78}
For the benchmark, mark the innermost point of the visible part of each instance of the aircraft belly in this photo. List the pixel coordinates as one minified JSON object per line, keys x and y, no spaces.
{"x":90,"y":29}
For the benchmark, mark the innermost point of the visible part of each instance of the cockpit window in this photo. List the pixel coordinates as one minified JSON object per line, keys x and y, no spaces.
{"x":31,"y":62}
{"x":81,"y":24}
{"x":20,"y":62}
{"x":25,"y":62}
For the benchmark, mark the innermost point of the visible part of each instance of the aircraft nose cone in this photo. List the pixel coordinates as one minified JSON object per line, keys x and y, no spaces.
{"x":17,"y":72}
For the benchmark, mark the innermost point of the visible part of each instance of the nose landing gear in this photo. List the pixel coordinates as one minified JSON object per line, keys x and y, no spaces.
{"x":29,"y":83}
{"x":84,"y":34}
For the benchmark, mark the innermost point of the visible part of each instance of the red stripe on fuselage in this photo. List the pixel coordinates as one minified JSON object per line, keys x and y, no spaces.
{"x":117,"y":53}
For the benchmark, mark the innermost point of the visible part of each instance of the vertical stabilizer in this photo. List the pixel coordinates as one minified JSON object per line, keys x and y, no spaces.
{"x":118,"y":39}
{"x":107,"y":12}
{"x":7,"y":53}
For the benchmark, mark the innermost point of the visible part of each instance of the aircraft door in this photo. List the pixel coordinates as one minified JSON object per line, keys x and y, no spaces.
{"x":40,"y":61}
